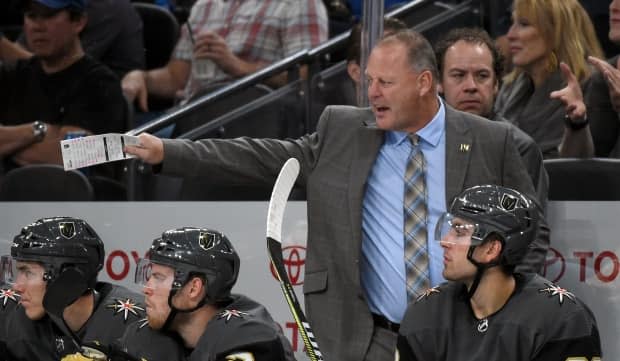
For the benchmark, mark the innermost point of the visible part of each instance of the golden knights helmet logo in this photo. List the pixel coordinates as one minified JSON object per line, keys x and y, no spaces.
{"x":508,"y":202}
{"x":67,"y":229}
{"x":206,"y":240}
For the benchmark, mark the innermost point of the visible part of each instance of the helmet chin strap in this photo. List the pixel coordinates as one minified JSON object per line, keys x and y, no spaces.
{"x":174,"y":311}
{"x":480,"y":269}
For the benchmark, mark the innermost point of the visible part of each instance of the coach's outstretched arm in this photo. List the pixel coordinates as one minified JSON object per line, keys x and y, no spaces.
{"x":151,"y":149}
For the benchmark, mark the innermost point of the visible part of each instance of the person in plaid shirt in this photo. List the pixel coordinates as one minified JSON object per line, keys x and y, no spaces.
{"x":224,"y":40}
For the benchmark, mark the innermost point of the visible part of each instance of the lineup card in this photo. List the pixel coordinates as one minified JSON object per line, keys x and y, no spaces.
{"x":95,"y":149}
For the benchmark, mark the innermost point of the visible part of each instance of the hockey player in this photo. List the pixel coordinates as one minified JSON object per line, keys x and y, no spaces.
{"x":187,"y":286}
{"x":487,"y":311}
{"x":53,"y":266}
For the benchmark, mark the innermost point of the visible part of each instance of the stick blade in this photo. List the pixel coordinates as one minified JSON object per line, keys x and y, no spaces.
{"x":279,"y":196}
{"x":277,"y":204}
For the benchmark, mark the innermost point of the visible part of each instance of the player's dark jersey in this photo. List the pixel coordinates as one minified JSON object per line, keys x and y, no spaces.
{"x":141,"y":342}
{"x":540,"y":321}
{"x":244,"y":330}
{"x":115,"y":308}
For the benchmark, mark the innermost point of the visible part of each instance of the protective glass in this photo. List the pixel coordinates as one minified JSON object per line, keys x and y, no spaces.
{"x":455,"y":230}
{"x":11,"y":272}
{"x":151,"y":276}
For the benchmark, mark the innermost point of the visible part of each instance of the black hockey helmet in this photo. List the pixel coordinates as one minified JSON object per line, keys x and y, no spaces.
{"x":198,"y":251}
{"x":59,"y":243}
{"x":500,"y":211}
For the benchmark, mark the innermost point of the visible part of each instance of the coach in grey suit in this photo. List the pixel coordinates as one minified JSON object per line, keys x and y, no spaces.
{"x":338,"y":162}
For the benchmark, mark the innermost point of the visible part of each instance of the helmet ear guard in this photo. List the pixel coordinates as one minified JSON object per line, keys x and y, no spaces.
{"x":64,"y":289}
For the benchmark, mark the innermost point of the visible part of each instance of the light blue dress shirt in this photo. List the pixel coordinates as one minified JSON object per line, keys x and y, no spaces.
{"x":383,"y":265}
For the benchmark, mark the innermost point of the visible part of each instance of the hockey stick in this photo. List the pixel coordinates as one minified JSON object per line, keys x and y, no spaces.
{"x":275,"y":215}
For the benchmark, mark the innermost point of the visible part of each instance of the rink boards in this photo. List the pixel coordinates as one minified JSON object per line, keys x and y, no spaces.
{"x":584,"y":257}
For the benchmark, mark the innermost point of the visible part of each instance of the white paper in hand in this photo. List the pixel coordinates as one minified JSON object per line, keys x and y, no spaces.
{"x":95,"y":149}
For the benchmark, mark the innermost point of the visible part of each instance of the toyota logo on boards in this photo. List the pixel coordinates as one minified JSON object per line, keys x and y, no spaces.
{"x":294,"y":258}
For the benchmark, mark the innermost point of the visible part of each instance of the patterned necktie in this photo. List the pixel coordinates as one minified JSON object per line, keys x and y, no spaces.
{"x":416,"y":243}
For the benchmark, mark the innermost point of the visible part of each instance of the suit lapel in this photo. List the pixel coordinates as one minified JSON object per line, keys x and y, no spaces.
{"x":459,"y":142}
{"x":364,"y":155}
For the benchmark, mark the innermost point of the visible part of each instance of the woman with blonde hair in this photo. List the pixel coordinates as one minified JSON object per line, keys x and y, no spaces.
{"x":549,"y":41}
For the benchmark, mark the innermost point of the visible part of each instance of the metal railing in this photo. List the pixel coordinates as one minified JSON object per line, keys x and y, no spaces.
{"x":318,"y":63}
{"x":316,"y":59}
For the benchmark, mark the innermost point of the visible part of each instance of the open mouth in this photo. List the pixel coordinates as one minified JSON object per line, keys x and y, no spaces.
{"x":381,"y":109}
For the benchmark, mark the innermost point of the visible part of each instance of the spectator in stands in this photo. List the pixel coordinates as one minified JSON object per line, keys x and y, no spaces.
{"x":599,"y":14}
{"x":604,"y":95}
{"x":390,"y":26}
{"x":499,"y":23}
{"x":59,"y":89}
{"x":227,"y":40}
{"x":468,"y":64}
{"x":112,"y":35}
{"x":549,"y":41}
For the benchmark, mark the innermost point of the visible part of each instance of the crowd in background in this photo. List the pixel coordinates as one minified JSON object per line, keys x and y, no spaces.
{"x":556,"y":88}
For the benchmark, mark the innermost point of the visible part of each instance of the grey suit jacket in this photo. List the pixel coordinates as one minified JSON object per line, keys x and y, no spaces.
{"x":532,"y":159}
{"x":335,"y":163}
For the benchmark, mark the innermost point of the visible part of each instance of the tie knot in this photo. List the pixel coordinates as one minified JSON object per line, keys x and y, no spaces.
{"x":414,"y":139}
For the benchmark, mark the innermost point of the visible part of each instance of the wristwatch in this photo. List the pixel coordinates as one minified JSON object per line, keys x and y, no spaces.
{"x":576,"y":125}
{"x":39,"y":129}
